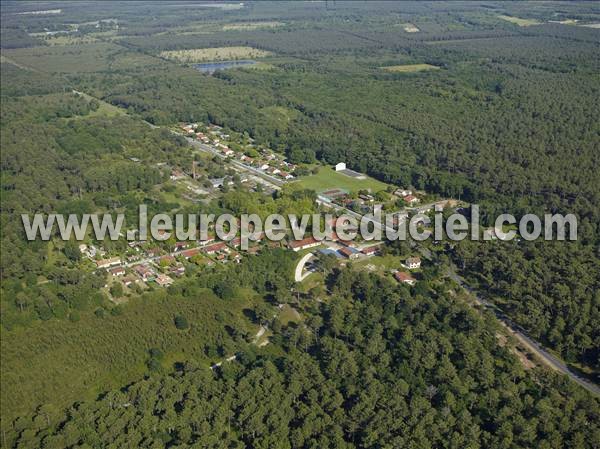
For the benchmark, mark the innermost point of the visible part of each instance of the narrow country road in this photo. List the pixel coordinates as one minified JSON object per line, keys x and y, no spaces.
{"x":532,"y":346}
{"x":231,"y":358}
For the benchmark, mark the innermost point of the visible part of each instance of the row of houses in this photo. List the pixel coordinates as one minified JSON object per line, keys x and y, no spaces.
{"x":267,"y":161}
{"x":407,"y":196}
{"x":146,"y":273}
{"x":412,"y":263}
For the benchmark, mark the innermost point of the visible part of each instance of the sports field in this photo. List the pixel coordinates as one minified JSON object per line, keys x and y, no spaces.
{"x":328,"y":178}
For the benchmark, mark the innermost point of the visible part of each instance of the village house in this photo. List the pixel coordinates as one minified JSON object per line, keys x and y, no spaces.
{"x":413,"y":263}
{"x":166,"y":260}
{"x":208,"y":240}
{"x":163,"y":280}
{"x":144,"y":272}
{"x":128,"y":280}
{"x":410,"y":199}
{"x":189,"y":253}
{"x":371,"y":250}
{"x":117,"y":271}
{"x":153,"y":252}
{"x":214,"y":248}
{"x":340,"y":167}
{"x":189,"y":128}
{"x":402,"y":192}
{"x":227,"y":151}
{"x":398,"y":217}
{"x":298,"y":245}
{"x":106,"y":263}
{"x":179,"y":246}
{"x":176,"y":175}
{"x":349,"y":253}
{"x":178,"y":271}
{"x":405,"y":278}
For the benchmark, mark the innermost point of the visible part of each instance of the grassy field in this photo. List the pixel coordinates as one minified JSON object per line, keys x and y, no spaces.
{"x":65,"y":39}
{"x":410,"y":28}
{"x":409,"y":68}
{"x":519,"y":21}
{"x":280,"y":114}
{"x":104,"y":110}
{"x":246,"y":26}
{"x":289,"y":314}
{"x":328,"y":178}
{"x":79,"y":58}
{"x":214,"y":54}
{"x":380,"y":264}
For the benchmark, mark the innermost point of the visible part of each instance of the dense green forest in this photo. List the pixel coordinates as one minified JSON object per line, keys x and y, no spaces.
{"x":374,"y":367}
{"x":508,"y":119}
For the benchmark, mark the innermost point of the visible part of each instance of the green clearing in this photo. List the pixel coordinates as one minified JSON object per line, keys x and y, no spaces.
{"x":214,"y":54}
{"x":289,"y":315}
{"x":382,"y":264}
{"x":248,"y":26}
{"x":104,"y":109}
{"x":409,"y":68}
{"x":65,"y":39}
{"x":328,"y":178}
{"x":93,"y":57}
{"x":279,"y":114}
{"x":519,"y":21}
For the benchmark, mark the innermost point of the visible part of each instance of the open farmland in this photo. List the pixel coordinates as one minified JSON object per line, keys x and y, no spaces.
{"x":519,"y":21}
{"x":251,"y":25}
{"x":214,"y":54}
{"x":92,"y":57}
{"x":408,"y":68}
{"x":65,"y":39}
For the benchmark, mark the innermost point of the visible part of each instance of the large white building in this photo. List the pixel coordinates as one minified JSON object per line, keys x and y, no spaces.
{"x":341,"y":166}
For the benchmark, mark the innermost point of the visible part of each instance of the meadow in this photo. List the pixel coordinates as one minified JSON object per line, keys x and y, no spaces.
{"x":244,"y":26}
{"x":519,"y":21}
{"x":327,"y":178}
{"x":93,"y":57}
{"x":409,"y":68}
{"x":214,"y":54}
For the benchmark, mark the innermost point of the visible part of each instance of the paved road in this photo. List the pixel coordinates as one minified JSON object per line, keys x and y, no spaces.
{"x":532,"y":346}
{"x":298,"y":276}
